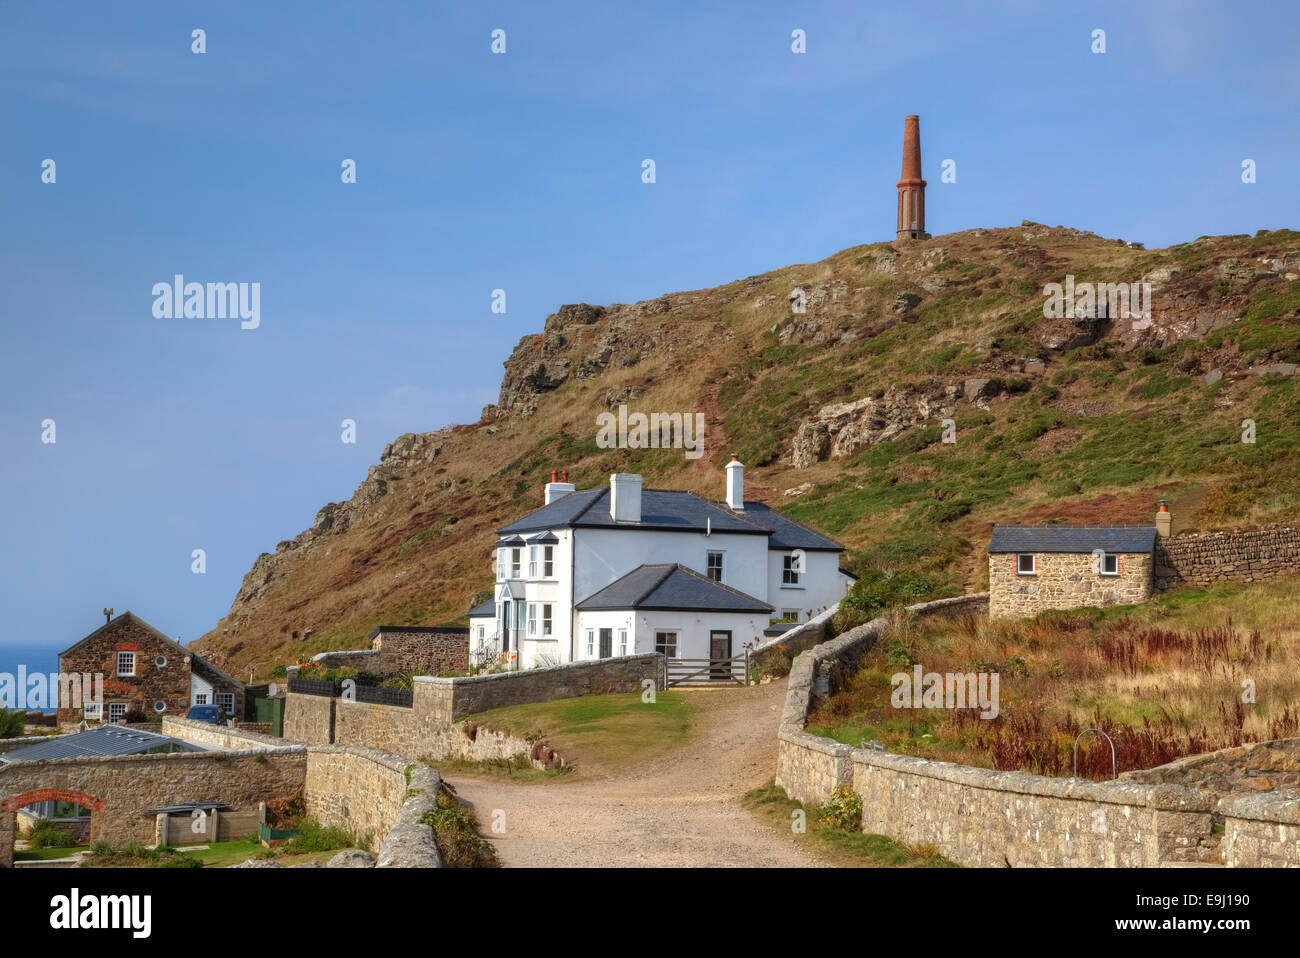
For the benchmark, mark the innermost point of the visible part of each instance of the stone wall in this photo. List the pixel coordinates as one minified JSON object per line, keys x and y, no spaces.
{"x":796,"y":639}
{"x":987,"y":818}
{"x":1065,"y":580}
{"x":1253,"y":768}
{"x":435,"y":651}
{"x":309,"y":718}
{"x":120,"y":789}
{"x":217,"y":736}
{"x":1203,"y":558}
{"x":451,"y":699}
{"x":360,"y":789}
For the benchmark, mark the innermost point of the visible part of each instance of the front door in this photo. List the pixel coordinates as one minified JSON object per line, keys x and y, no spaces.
{"x":606,"y":643}
{"x":719,"y":655}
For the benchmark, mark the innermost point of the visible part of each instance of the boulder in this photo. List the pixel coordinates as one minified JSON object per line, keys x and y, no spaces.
{"x":352,"y":858}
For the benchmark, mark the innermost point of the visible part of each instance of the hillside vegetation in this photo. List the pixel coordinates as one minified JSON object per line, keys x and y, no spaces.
{"x":837,"y":411}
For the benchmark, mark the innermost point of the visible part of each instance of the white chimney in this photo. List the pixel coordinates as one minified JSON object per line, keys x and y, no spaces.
{"x":556,"y":489}
{"x":625,"y":497}
{"x":736,"y":485}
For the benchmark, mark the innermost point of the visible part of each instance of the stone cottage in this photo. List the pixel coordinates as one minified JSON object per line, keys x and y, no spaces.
{"x":144,"y":670}
{"x":1032,"y":568}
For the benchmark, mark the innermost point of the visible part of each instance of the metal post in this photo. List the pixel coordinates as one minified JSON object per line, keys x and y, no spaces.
{"x":1113,"y":774}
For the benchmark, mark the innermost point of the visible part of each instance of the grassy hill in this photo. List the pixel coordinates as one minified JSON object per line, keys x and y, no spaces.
{"x":837,"y":412}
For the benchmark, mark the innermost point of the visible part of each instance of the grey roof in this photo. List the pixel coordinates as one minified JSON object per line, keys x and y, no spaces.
{"x":104,"y":740}
{"x":670,"y":586}
{"x":1080,"y":539}
{"x":487,"y":608}
{"x":131,"y":616}
{"x":672,"y":509}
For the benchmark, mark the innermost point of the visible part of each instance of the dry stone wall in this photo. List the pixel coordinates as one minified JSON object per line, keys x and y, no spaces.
{"x":982,"y":817}
{"x":1203,"y":558}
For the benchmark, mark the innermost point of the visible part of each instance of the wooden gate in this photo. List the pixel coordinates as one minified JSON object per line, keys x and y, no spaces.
{"x":707,"y":673}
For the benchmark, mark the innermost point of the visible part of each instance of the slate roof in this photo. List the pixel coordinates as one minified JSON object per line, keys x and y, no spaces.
{"x":672,"y":509}
{"x":670,"y":586}
{"x":104,"y":740}
{"x":128,"y":614}
{"x":487,"y":608}
{"x":1080,"y":539}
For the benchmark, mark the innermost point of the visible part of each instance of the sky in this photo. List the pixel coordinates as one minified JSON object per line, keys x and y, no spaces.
{"x":518,"y":171}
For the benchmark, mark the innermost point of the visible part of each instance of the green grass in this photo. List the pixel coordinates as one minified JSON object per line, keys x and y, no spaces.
{"x":770,"y":804}
{"x":46,"y":854}
{"x":605,"y":730}
{"x":516,"y":770}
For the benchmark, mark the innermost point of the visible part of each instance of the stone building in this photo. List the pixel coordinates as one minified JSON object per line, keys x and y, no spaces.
{"x":144,"y":670}
{"x":1032,"y":568}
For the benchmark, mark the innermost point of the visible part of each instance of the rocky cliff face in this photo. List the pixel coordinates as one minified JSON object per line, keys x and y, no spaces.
{"x":801,"y":370}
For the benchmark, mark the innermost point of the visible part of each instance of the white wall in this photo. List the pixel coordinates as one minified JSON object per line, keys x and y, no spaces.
{"x":692,"y":630}
{"x":608,"y":554}
{"x":820,"y":586}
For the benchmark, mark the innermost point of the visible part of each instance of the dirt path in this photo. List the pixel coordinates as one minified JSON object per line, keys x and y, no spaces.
{"x":683,"y":808}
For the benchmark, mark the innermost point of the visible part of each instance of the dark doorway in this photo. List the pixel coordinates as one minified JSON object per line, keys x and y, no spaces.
{"x":719,"y":654}
{"x":606,"y":643}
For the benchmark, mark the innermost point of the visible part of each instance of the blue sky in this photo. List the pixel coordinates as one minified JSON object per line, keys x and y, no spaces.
{"x":521,"y":172}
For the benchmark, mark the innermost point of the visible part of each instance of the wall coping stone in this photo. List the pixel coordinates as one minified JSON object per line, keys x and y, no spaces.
{"x":1280,"y":805}
{"x":556,"y":669}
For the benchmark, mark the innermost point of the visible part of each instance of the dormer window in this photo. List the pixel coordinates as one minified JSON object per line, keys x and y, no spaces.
{"x":532,"y":562}
{"x":548,"y":562}
{"x":516,"y":559}
{"x":1026,"y":563}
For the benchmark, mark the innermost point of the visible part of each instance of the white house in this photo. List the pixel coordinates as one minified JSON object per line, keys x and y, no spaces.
{"x":620,"y":570}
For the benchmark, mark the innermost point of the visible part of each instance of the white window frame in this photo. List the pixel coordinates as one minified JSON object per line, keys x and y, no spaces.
{"x":1101,"y":563}
{"x":221,"y":698}
{"x":516,"y":561}
{"x":789,"y":575}
{"x":547,"y":619}
{"x":117,"y":709}
{"x":622,"y":641}
{"x":92,"y":711}
{"x":675,"y":642}
{"x":201,"y":698}
{"x":591,"y":643}
{"x":532,"y":618}
{"x":548,"y":562}
{"x":125,"y":673}
{"x":796,"y":613}
{"x":1033,"y":562}
{"x":722,"y":565}
{"x":532,"y":562}
{"x":501,"y":563}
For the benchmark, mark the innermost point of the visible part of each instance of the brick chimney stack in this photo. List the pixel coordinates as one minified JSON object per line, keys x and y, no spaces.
{"x":911,"y":188}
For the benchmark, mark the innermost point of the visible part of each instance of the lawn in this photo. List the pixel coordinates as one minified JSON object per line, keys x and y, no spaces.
{"x":1192,"y":671}
{"x":47,"y":854}
{"x":770,"y":804}
{"x":608,"y":732}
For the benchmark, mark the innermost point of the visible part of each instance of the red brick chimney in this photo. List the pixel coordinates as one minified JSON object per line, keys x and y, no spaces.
{"x":911,"y":188}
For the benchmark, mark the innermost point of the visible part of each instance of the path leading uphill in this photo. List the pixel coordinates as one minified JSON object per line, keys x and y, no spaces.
{"x":682,"y":808}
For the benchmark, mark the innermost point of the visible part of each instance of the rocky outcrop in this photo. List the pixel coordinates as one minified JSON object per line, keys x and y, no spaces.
{"x":844,"y":429}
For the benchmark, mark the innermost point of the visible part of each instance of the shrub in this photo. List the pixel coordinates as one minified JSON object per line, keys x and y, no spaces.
{"x":46,"y":834}
{"x":11,"y":723}
{"x":455,"y":830}
{"x":316,"y":837}
{"x":843,"y":809}
{"x":135,"y":715}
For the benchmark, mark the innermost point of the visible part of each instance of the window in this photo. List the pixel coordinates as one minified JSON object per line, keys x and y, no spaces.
{"x":546,"y":618}
{"x":1026,"y":564}
{"x":160,"y":706}
{"x":790,"y":615}
{"x":666,"y":644}
{"x":161,"y":661}
{"x":790,"y":570}
{"x":519,"y":614}
{"x":591,"y":642}
{"x":532,"y":618}
{"x":501,"y":563}
{"x":91,"y":712}
{"x":548,"y":562}
{"x":201,"y":698}
{"x":227,"y":702}
{"x":126,"y":663}
{"x":480,"y":635}
{"x":532,"y":562}
{"x":715,"y":566}
{"x":622,"y":641}
{"x":1109,"y":563}
{"x":515,"y":558}
{"x":116,"y":710}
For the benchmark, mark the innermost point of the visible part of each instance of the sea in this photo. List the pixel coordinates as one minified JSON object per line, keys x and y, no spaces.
{"x":34,"y":658}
